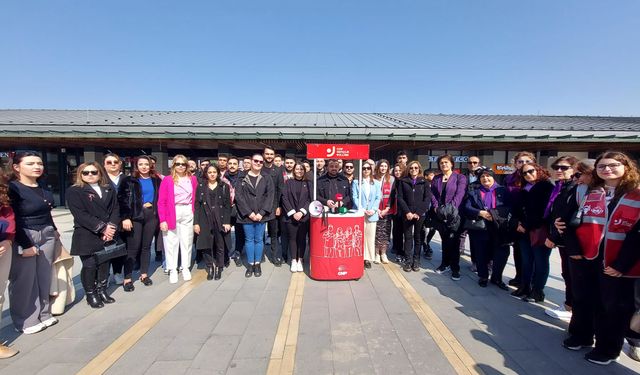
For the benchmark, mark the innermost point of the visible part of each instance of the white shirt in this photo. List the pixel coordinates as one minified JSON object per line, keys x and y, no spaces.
{"x":96,"y":187}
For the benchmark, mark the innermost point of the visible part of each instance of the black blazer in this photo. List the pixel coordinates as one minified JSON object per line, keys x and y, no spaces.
{"x":91,"y":214}
{"x":414,"y":198}
{"x":130,"y":198}
{"x":296,"y":198}
{"x":533,"y":204}
{"x":205,"y":209}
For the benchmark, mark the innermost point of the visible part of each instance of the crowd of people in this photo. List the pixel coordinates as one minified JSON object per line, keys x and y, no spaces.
{"x":587,"y":209}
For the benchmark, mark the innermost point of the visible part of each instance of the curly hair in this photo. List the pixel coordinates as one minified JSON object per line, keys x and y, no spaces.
{"x":542,"y":174}
{"x":631,"y":178}
{"x":4,"y":189}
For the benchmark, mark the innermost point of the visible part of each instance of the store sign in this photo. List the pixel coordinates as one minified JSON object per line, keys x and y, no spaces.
{"x":337,"y":151}
{"x":456,"y":159}
{"x":502,"y":168}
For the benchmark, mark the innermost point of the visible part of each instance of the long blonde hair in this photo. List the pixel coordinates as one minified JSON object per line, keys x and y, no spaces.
{"x":174,"y":174}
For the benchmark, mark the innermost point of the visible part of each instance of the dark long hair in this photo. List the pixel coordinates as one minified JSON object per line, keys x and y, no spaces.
{"x":631,"y":178}
{"x":17,"y":159}
{"x":206,"y":173}
{"x":152,"y":167}
{"x":4,"y":189}
{"x":542,"y":174}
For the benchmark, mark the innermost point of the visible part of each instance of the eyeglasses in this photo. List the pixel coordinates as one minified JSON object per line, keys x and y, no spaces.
{"x":112,"y":162}
{"x":561,"y":167}
{"x":348,"y":167}
{"x":530,"y":171}
{"x":179,"y":164}
{"x":258,"y":161}
{"x":414,"y":168}
{"x":366,"y":168}
{"x":524,"y":161}
{"x":86,"y":173}
{"x":577,"y":175}
{"x":602,"y":167}
{"x":473,"y":162}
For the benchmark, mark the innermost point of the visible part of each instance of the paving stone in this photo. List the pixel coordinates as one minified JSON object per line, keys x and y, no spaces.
{"x":216,"y":353}
{"x":235,"y":319}
{"x":141,"y":356}
{"x":258,"y":340}
{"x":61,"y":368}
{"x":168,"y":368}
{"x":248,"y":366}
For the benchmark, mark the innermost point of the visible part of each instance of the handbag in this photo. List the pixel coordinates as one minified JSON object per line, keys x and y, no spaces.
{"x":475,"y":224}
{"x":538,"y":236}
{"x":110,"y":250}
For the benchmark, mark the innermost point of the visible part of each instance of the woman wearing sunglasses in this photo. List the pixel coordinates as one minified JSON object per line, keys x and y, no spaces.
{"x":254,"y":201}
{"x":533,"y":225}
{"x":93,"y":202}
{"x":175,"y":212}
{"x":138,"y":198}
{"x":399,"y":171}
{"x":366,"y":198}
{"x":605,"y":271}
{"x":414,"y":197}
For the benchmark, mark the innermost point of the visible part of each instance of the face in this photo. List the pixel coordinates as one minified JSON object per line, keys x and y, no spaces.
{"x":384,"y":168}
{"x":320,"y":163}
{"x":397,"y":172}
{"x":445,"y":165}
{"x":610,"y":170}
{"x":340,"y":163}
{"x":366,"y":170}
{"x":402,"y":159}
{"x":348,"y":169}
{"x":529,"y":172}
{"x":333,"y":168}
{"x":583,"y":178}
{"x":192,"y":166}
{"x":90,"y":175}
{"x":222,"y":162}
{"x":232,"y":165}
{"x":268,"y":155}
{"x":307,"y":166}
{"x":143,"y":166}
{"x":414,"y":170}
{"x":112,"y":165}
{"x":522,"y":161}
{"x":180,"y":166}
{"x":256,"y":163}
{"x":486,"y":180}
{"x":30,"y":166}
{"x":204,"y":165}
{"x":212,"y":174}
{"x":299,"y":171}
{"x":473,"y":163}
{"x":430,"y":176}
{"x":562,"y":171}
{"x":277,"y":161}
{"x":246,"y":164}
{"x":289,"y":164}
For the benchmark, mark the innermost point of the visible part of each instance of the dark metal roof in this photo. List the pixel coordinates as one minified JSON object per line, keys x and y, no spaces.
{"x":314,"y":125}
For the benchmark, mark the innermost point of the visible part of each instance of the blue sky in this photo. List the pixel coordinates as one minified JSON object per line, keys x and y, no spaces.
{"x":463,"y":57}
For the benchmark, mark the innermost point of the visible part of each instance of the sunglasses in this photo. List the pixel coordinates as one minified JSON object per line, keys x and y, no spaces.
{"x":561,"y":167}
{"x":366,"y":168}
{"x":178,"y":164}
{"x":577,"y":175}
{"x":530,"y":171}
{"x":93,"y":173}
{"x":348,"y":167}
{"x":112,"y":162}
{"x":524,"y":161}
{"x":473,"y":162}
{"x":414,"y":168}
{"x":258,"y":161}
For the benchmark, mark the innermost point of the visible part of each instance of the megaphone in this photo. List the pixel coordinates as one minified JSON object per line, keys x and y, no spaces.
{"x":316,"y":208}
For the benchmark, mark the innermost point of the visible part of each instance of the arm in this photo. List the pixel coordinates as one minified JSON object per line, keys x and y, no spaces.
{"x":287,"y":200}
{"x":468,"y":208}
{"x":80,"y":213}
{"x":355,"y":192}
{"x":198,"y":212}
{"x":461,"y":190}
{"x":226,"y":205}
{"x":164,"y":200}
{"x":402,"y":204}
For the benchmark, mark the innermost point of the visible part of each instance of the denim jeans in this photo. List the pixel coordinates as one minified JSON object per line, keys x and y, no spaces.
{"x":535,"y":264}
{"x":254,"y":241}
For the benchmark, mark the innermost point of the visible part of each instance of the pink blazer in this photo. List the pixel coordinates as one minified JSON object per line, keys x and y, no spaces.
{"x":167,"y":200}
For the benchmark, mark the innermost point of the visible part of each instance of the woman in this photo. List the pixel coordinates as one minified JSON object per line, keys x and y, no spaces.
{"x":175,"y":212}
{"x":533,"y":225}
{"x":138,"y":199}
{"x":604,"y":276}
{"x":448,"y":191}
{"x":562,"y":204}
{"x":112,"y":164}
{"x":366,"y":196}
{"x":254,"y":197}
{"x":512,"y":183}
{"x":33,"y":249}
{"x":93,"y":202}
{"x":414,"y":196}
{"x":295,"y":201}
{"x":386,"y":210}
{"x":7,"y":236}
{"x":399,"y":171}
{"x":212,"y":220}
{"x":428,"y":230}
{"x":489,"y":204}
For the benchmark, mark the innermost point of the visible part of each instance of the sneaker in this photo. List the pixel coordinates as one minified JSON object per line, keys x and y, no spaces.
{"x":367,"y":264}
{"x":186,"y":274}
{"x":173,"y":277}
{"x":631,"y":351}
{"x":119,"y":278}
{"x":428,"y":254}
{"x":443,"y":269}
{"x":598,"y":358}
{"x":573,"y":343}
{"x":384,"y":259}
{"x":34,"y":329}
{"x":559,"y":313}
{"x":294,"y":265}
{"x":376,"y":260}
{"x":50,"y":322}
{"x":406,"y":267}
{"x":166,"y":271}
{"x":455,"y":276}
{"x":300,"y":266}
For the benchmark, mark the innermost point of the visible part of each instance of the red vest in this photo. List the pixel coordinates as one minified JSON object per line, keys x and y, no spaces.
{"x":596,"y":227}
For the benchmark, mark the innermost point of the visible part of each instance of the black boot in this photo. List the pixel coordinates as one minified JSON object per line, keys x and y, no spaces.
{"x":209,"y":272}
{"x":257,"y":271}
{"x":521,"y":292}
{"x":88,"y":279}
{"x":103,"y":281}
{"x":218,"y":275}
{"x":249,"y":272}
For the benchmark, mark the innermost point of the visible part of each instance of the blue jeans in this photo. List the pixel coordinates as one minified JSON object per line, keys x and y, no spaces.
{"x":535,"y":264}
{"x":254,"y":241}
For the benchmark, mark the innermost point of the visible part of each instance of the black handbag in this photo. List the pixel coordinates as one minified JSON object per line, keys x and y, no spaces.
{"x":110,"y":250}
{"x":475,"y":224}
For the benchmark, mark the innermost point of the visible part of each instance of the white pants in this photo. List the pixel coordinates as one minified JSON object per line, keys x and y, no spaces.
{"x":369,"y":240}
{"x":179,"y":239}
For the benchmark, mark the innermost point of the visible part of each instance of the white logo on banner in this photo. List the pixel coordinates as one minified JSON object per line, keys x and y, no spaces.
{"x":344,"y":243}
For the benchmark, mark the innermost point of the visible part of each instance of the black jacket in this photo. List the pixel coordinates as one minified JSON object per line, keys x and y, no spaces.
{"x":91,"y":214}
{"x":259,"y":199}
{"x":564,"y":206}
{"x":329,"y":186}
{"x":278,"y":183}
{"x":296,"y":198}
{"x":205,"y":209}
{"x":502,"y":226}
{"x":130,"y":198}
{"x":533,"y":204}
{"x":413,"y":198}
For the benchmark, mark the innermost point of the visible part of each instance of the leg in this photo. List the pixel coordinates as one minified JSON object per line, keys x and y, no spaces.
{"x":250,"y":232}
{"x":586,"y":285}
{"x":614,"y":313}
{"x":500,"y":257}
{"x":171,"y":246}
{"x":88,"y":276}
{"x":284,"y":237}
{"x":566,"y":277}
{"x":259,"y":242}
{"x":44,"y":266}
{"x":148,"y":232}
{"x":417,"y":241}
{"x":398,"y":231}
{"x":541,"y":273}
{"x":480,"y":241}
{"x":292,"y":229}
{"x":408,"y":225}
{"x":101,"y":284}
{"x":369,"y":240}
{"x":526,"y":253}
{"x":272,"y":228}
{"x":184,"y":225}
{"x":133,"y":241}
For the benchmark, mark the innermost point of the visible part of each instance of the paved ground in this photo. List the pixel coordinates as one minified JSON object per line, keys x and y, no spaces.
{"x":358,"y":327}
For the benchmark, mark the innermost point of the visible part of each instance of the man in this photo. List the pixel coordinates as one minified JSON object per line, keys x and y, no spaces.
{"x":340,"y":165}
{"x":348,"y":170}
{"x":202,"y":172}
{"x":320,"y":167}
{"x":223,"y":159}
{"x":113,"y":165}
{"x":270,"y":169}
{"x":277,"y":160}
{"x":289,"y":164}
{"x":234,"y":176}
{"x":402,"y":157}
{"x":333,"y":183}
{"x":192,"y":166}
{"x":473,"y":164}
{"x":246,"y":163}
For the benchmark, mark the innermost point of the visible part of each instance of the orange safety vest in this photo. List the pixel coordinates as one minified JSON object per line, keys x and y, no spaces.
{"x":596,"y":218}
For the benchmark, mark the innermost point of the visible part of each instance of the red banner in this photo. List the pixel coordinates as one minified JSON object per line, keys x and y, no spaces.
{"x":337,"y":151}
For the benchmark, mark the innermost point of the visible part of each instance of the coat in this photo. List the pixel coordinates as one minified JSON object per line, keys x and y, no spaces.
{"x":167,"y":200}
{"x":130,"y":198}
{"x":325,"y":190}
{"x":456,"y":190}
{"x":413,"y":198}
{"x":204,"y":211}
{"x":533,"y":204}
{"x":258,"y":200}
{"x":362,"y":201}
{"x":296,"y":198}
{"x":91,"y":214}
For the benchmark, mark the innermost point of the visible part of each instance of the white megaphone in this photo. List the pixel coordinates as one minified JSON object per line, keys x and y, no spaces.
{"x":315,"y":208}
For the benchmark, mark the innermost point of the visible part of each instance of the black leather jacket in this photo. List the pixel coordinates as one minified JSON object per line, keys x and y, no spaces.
{"x":130,"y":198}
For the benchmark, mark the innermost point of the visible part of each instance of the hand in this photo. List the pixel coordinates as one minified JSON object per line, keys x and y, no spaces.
{"x":369,"y":212}
{"x":258,"y":217}
{"x":409,"y":216}
{"x":196,"y":229}
{"x":576,"y":257}
{"x":278,"y":211}
{"x":164,"y":226}
{"x":298,"y":216}
{"x":560,"y":225}
{"x":127,"y":225}
{"x":612,"y":272}
{"x":252,"y":216}
{"x":548,"y":243}
{"x":226,"y":227}
{"x":106,"y":238}
{"x":30,"y":252}
{"x":331,"y":204}
{"x":4,"y":246}
{"x":109,"y":231}
{"x":384,"y":212}
{"x":520,"y":228}
{"x":485,"y":215}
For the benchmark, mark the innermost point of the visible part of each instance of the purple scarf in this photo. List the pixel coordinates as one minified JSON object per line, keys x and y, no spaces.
{"x":554,"y":195}
{"x":487,"y":198}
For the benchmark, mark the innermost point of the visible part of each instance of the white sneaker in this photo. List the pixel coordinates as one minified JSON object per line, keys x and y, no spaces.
{"x":49,"y":322}
{"x":119,"y":278}
{"x":384,"y":259}
{"x":173,"y":276}
{"x":300,"y":266}
{"x":34,"y":329}
{"x":559,"y":313}
{"x":294,"y":265}
{"x":376,"y":260}
{"x":186,"y":274}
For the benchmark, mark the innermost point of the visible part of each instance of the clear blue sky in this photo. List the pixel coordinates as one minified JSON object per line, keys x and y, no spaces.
{"x":551,"y":57}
